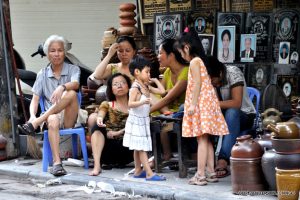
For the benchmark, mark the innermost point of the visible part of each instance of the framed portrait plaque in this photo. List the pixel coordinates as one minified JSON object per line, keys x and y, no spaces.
{"x":226,"y":44}
{"x":284,"y":53}
{"x":288,"y":84}
{"x":259,"y":75}
{"x":207,"y":41}
{"x":150,"y":7}
{"x":166,"y":26}
{"x":248,"y":47}
{"x":202,"y":21}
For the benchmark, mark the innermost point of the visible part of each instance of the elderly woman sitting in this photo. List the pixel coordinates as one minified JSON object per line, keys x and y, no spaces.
{"x":107,"y":126}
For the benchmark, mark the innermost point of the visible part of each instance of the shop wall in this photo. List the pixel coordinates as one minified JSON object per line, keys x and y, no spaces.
{"x":82,"y":22}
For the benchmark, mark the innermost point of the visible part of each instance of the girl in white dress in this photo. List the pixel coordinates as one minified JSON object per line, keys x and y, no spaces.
{"x":137,"y":135}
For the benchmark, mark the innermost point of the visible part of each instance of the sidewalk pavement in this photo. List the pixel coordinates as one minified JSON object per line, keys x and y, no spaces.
{"x":174,"y":188}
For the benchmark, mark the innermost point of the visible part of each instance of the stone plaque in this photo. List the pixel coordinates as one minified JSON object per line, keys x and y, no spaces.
{"x":259,"y":75}
{"x":150,"y":7}
{"x":288,"y":3}
{"x":260,"y":24}
{"x":233,"y":19}
{"x":240,"y":5}
{"x":285,"y":29}
{"x":208,"y":4}
{"x":262,"y":5}
{"x":202,"y":21}
{"x":180,"y":5}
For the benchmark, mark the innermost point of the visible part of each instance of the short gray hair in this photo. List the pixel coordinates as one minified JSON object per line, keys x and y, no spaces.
{"x":54,"y":38}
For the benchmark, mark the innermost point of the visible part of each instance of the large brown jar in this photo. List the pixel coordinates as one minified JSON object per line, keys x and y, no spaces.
{"x":245,"y":164}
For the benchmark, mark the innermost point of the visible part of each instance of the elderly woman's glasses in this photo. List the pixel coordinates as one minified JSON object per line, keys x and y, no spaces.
{"x":121,"y":83}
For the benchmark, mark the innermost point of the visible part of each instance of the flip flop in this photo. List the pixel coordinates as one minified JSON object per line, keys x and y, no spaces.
{"x":222,"y":169}
{"x":156,"y":177}
{"x":142,"y":175}
{"x":58,"y":170}
{"x":27,"y":129}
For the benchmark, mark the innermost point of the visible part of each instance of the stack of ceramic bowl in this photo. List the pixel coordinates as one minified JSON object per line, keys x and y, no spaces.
{"x":127,"y":21}
{"x":150,"y":55}
{"x":286,"y":143}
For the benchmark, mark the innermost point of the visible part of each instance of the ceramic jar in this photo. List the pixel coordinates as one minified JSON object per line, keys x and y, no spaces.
{"x":287,"y":161}
{"x":288,"y":184}
{"x":101,"y":94}
{"x":284,"y":130}
{"x":268,"y":167}
{"x":264,"y":141}
{"x":271,"y":116}
{"x":245,"y":163}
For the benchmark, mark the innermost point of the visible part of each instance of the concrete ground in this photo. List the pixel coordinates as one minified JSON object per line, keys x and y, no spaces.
{"x":173,"y":188}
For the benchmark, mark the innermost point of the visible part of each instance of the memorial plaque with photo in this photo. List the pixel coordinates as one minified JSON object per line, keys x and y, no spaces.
{"x":233,"y":19}
{"x":285,"y":29}
{"x":202,"y":21}
{"x":150,"y":7}
{"x":208,"y":4}
{"x":259,"y":75}
{"x":240,"y":6}
{"x":166,"y":26}
{"x":180,"y":5}
{"x":288,"y":84}
{"x":260,"y":24}
{"x":262,"y":5}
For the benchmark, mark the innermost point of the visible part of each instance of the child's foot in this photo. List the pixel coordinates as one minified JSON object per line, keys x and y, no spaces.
{"x":141,"y":174}
{"x":156,"y":177}
{"x":95,"y":172}
{"x":198,"y":180}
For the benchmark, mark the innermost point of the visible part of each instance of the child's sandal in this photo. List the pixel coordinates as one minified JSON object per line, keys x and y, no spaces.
{"x":198,"y":180}
{"x":211,"y":177}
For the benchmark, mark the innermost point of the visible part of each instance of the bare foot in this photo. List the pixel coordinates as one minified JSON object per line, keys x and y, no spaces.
{"x":95,"y":172}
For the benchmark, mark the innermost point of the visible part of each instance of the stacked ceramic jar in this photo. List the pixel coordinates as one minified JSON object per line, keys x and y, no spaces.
{"x":245,"y":166}
{"x":127,"y":21}
{"x":286,"y":143}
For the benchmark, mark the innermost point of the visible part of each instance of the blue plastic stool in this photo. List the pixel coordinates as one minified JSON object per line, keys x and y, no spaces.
{"x":75,"y":132}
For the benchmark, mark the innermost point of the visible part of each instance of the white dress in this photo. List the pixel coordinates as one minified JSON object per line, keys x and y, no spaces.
{"x":137,"y":129}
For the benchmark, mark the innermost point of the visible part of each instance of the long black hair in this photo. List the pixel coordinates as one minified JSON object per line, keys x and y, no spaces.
{"x":192,"y":39}
{"x":129,"y":39}
{"x":169,"y":46}
{"x":216,"y":69}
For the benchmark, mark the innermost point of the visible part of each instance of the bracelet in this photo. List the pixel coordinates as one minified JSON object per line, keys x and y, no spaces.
{"x":65,"y":88}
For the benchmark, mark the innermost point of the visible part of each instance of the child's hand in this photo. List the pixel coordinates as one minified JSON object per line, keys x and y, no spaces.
{"x":153,"y":80}
{"x":147,"y":101}
{"x":191,"y":110}
{"x":100,"y":122}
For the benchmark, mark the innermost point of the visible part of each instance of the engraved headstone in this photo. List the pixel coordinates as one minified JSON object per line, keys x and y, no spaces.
{"x":260,"y":24}
{"x":285,"y":29}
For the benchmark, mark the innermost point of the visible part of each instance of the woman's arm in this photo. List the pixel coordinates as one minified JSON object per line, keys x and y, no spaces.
{"x":101,"y":115}
{"x":174,"y":93}
{"x":160,"y":88}
{"x":236,"y":98}
{"x":134,"y":98}
{"x":103,"y":70}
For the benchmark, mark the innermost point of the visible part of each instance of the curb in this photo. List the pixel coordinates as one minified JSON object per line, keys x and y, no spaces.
{"x":143,"y":189}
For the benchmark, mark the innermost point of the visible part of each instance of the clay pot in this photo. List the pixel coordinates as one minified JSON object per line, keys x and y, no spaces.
{"x":288,"y":184}
{"x":271,"y":116}
{"x":268,"y":167}
{"x":287,"y":161}
{"x":290,"y":146}
{"x":127,"y":30}
{"x":127,"y":7}
{"x":264,"y":141}
{"x":101,"y":94}
{"x":127,"y":15}
{"x":285,"y":130}
{"x":246,"y":147}
{"x":3,"y":142}
{"x":245,"y":165}
{"x":127,"y":22}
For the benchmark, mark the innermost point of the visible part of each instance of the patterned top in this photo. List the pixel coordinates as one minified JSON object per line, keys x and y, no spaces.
{"x":114,"y":70}
{"x":114,"y":120}
{"x":207,"y":117}
{"x":174,"y":106}
{"x":234,"y":78}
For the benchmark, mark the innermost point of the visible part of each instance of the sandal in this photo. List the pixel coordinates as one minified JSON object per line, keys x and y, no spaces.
{"x":198,"y":180}
{"x":225,"y":171}
{"x":58,"y":170}
{"x":27,"y":129}
{"x":211,"y":177}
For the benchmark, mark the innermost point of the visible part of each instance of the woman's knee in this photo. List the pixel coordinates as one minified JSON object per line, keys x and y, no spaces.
{"x":92,"y":120}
